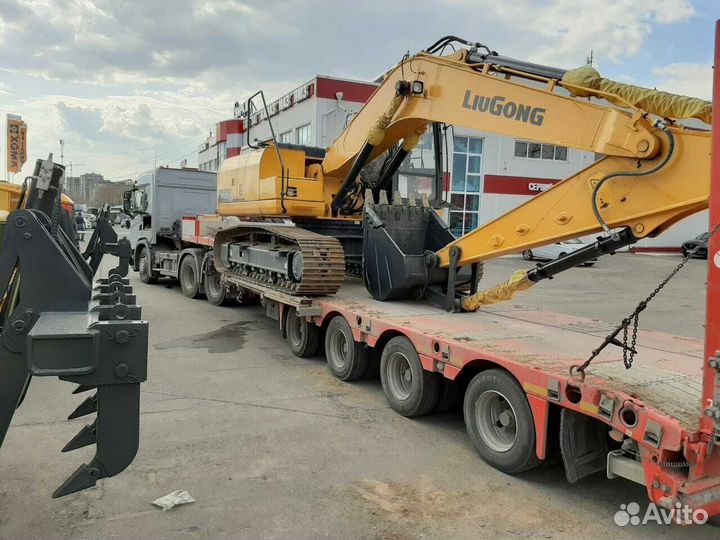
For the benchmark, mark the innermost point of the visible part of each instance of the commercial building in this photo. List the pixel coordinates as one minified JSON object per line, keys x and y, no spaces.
{"x":487,"y":174}
{"x":313,"y":114}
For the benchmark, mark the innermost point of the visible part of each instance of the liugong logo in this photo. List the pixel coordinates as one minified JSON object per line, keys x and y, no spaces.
{"x":498,"y":106}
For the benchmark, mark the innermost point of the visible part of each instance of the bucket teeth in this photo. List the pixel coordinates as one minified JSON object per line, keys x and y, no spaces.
{"x":424,"y":201}
{"x":88,"y":406}
{"x":83,"y":388}
{"x":369,"y":197}
{"x":85,"y":437}
{"x":412,"y":203}
{"x":84,"y":477}
{"x":383,"y":197}
{"x":397,"y":199}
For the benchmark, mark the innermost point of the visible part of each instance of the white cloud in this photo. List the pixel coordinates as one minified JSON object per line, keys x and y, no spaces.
{"x":564,"y":31}
{"x":686,"y":79}
{"x":109,"y":76}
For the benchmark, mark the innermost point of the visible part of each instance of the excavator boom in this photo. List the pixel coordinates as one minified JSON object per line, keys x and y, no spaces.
{"x":654,"y":172}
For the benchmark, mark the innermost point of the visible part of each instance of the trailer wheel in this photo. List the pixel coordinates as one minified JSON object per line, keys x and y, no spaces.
{"x":409,"y":389}
{"x":346,"y":357}
{"x":145,"y":267}
{"x":500,"y":423}
{"x":302,"y":335}
{"x":215,"y":289}
{"x":189,"y":282}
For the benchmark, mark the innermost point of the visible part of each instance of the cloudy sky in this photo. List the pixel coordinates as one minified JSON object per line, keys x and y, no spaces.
{"x":122,"y":81}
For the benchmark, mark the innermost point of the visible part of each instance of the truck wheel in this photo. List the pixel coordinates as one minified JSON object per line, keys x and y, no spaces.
{"x":188,"y":273}
{"x":527,"y":255}
{"x":409,"y":389}
{"x":500,"y":423}
{"x":346,"y":358}
{"x":215,"y":289}
{"x":145,"y":267}
{"x":302,"y":335}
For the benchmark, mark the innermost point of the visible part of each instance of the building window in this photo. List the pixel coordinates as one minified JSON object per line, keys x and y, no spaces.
{"x":302,"y":135}
{"x":533,"y":150}
{"x":286,"y":137}
{"x":416,"y":174}
{"x":466,"y":184}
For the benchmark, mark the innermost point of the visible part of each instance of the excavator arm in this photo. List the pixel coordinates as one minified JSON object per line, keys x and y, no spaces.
{"x":654,"y":172}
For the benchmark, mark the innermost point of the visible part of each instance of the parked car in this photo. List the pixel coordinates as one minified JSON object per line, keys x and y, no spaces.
{"x":555,"y":251}
{"x":89,"y":220}
{"x":689,"y":245}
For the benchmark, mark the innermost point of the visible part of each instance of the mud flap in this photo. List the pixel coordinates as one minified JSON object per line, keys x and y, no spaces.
{"x":583,"y":445}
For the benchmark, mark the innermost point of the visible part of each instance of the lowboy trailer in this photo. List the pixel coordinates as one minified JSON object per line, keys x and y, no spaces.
{"x":511,"y":368}
{"x":515,"y":370}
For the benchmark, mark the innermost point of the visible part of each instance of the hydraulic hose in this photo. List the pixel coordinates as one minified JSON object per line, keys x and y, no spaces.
{"x":596,"y":190}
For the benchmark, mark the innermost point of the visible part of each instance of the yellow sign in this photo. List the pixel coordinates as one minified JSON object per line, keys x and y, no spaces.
{"x":16,"y":143}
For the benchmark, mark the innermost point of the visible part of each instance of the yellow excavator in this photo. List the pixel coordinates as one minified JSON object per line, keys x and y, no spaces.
{"x":311,"y":215}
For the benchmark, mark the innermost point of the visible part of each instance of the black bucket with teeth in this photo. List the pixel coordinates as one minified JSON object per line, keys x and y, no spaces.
{"x":399,"y":243}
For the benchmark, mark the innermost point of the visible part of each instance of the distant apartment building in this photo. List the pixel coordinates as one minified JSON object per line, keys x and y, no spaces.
{"x":93,"y":189}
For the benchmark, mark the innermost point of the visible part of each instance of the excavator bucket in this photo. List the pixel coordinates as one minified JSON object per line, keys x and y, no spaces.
{"x":55,"y":323}
{"x":399,"y":242}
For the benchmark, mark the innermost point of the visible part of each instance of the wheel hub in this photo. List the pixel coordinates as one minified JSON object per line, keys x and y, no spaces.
{"x":496,"y":421}
{"x":400,"y":378}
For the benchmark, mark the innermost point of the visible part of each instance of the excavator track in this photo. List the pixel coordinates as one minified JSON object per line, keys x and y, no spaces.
{"x":286,"y":258}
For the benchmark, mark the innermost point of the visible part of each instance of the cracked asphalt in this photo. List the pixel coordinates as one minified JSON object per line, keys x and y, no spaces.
{"x":272,"y":446}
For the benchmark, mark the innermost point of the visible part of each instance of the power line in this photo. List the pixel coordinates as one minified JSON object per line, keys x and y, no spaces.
{"x":133,"y":150}
{"x":168,"y":161}
{"x":151,"y":158}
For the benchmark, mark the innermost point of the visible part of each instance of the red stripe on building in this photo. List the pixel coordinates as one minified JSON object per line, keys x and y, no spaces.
{"x":225,"y":128}
{"x":516,"y":185}
{"x":352,"y":91}
{"x":232,"y":152}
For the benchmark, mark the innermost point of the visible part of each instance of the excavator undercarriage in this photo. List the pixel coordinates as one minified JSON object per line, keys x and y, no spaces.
{"x":288,"y":258}
{"x":55,"y":322}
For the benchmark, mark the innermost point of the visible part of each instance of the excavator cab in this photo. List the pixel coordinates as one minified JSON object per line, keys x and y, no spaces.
{"x":55,"y":322}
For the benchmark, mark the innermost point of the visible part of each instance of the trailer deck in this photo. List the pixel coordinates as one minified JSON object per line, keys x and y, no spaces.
{"x":667,"y":375}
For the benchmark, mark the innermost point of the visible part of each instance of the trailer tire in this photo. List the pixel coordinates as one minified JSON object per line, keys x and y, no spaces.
{"x":188,"y":274}
{"x":215,"y":290}
{"x":145,"y":267}
{"x":409,"y":389}
{"x":499,"y":422}
{"x":302,"y":335}
{"x":346,"y":357}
